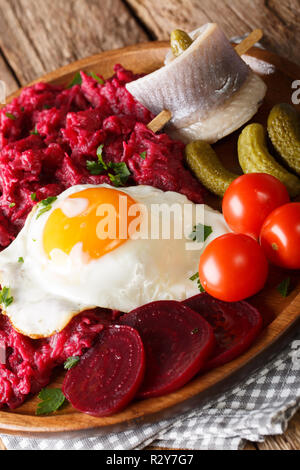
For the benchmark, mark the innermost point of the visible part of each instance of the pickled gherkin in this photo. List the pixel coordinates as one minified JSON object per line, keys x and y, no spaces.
{"x":254,"y":157}
{"x":284,"y":132}
{"x":180,"y":41}
{"x":205,"y":164}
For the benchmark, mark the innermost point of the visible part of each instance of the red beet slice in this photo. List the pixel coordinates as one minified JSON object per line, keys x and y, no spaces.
{"x":177,"y":342}
{"x":109,"y":374}
{"x":235,"y":325}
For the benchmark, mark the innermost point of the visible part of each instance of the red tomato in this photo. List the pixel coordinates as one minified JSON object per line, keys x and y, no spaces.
{"x":280,"y":236}
{"x":233,"y":267}
{"x":250,"y":199}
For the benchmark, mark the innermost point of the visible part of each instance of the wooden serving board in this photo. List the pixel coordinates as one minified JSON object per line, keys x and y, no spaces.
{"x":281,"y":315}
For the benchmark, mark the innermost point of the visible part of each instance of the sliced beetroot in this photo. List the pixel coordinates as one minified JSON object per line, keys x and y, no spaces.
{"x":235,"y":325}
{"x":109,"y":374}
{"x":177,"y":343}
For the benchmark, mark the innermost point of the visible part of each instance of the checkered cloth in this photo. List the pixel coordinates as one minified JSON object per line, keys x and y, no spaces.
{"x":259,"y":406}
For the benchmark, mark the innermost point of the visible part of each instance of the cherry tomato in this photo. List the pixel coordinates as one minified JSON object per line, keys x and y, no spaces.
{"x":233,"y":267}
{"x":280,"y":236}
{"x":250,"y":199}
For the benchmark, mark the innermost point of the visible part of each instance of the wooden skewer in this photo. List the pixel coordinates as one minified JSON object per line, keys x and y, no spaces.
{"x":159,"y":121}
{"x":249,"y":41}
{"x":164,"y":116}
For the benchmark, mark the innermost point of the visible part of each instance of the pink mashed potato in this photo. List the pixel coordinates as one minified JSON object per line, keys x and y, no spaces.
{"x":47,"y":135}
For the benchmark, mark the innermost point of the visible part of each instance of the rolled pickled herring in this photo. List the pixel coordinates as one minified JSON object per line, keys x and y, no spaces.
{"x":208,"y":88}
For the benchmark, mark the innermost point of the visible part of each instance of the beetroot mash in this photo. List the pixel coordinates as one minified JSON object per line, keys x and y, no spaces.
{"x":47,"y":135}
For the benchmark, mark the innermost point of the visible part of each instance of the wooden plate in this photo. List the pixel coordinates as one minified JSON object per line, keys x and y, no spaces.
{"x":280,"y":314}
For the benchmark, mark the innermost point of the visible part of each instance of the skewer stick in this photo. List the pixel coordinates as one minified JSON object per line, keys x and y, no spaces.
{"x":164,"y":116}
{"x":248,"y":42}
{"x":159,"y":121}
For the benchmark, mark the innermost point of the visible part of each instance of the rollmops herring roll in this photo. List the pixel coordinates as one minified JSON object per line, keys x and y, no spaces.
{"x":209,"y":89}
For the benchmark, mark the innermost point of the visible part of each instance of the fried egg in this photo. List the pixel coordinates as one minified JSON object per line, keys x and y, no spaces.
{"x":101,"y":246}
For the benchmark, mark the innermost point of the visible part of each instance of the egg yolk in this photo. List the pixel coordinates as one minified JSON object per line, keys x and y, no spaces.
{"x":98,"y":219}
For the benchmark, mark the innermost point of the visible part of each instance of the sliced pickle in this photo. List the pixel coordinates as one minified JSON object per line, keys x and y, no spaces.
{"x":205,"y":164}
{"x":284,"y":132}
{"x":180,"y":41}
{"x":254,"y":157}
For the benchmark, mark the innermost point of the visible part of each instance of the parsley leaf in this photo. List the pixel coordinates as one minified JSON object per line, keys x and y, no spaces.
{"x":11,"y":116}
{"x":284,"y":287}
{"x":120,"y":169}
{"x":33,"y":196}
{"x":21,"y":259}
{"x":143,"y":155}
{"x":46,"y":205}
{"x":200,"y":233}
{"x":52,"y":400}
{"x":200,"y":287}
{"x":77,"y":80}
{"x":121,"y":173}
{"x":95,"y":77}
{"x":96,"y":168}
{"x":34,"y":132}
{"x":71,"y":362}
{"x":48,"y":200}
{"x":194,"y":331}
{"x":12,"y":204}
{"x":100,"y":157}
{"x":5,"y":298}
{"x":195,"y":277}
{"x":42,"y":211}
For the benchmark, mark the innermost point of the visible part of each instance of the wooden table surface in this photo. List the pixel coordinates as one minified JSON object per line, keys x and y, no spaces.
{"x":38,"y":37}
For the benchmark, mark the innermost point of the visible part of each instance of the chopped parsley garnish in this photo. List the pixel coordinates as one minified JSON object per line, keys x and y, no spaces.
{"x":21,"y":259}
{"x":51,"y":400}
{"x":95,"y":77}
{"x":33,"y":196}
{"x":200,"y":287}
{"x":12,"y":204}
{"x":96,"y":168}
{"x":143,"y":155}
{"x":284,"y":287}
{"x":200,"y":233}
{"x":46,"y":205}
{"x":194,"y":331}
{"x":5,"y":298}
{"x":34,"y":132}
{"x":77,"y":80}
{"x":120,"y":170}
{"x":47,"y":106}
{"x":195,"y":277}
{"x":10,"y":116}
{"x":22,"y":109}
{"x":121,"y":173}
{"x":71,"y":362}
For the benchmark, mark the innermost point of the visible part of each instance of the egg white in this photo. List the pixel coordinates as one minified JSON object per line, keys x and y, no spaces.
{"x":47,"y":294}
